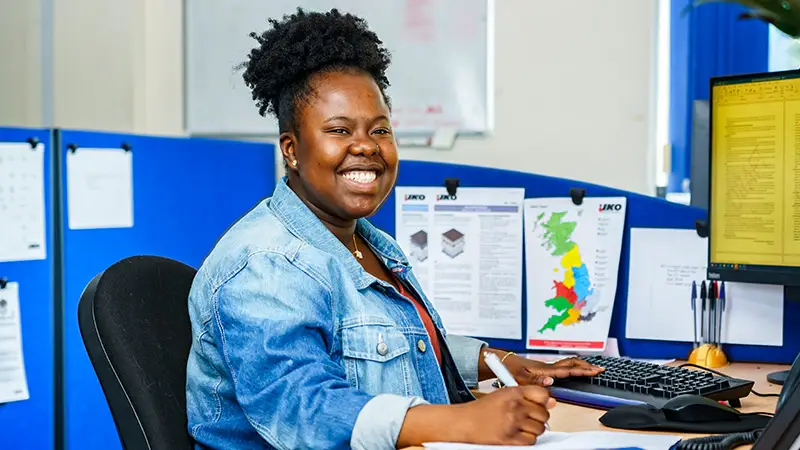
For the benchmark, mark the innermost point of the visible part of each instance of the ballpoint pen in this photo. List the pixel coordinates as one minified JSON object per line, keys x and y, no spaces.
{"x":502,"y":373}
{"x":712,"y":312}
{"x":703,"y":306}
{"x":722,"y":312}
{"x":694,"y":312}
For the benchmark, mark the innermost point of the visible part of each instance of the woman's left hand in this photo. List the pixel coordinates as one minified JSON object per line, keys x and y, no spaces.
{"x":529,"y":371}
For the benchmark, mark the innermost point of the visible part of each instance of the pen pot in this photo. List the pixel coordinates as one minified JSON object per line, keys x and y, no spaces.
{"x":709,"y":356}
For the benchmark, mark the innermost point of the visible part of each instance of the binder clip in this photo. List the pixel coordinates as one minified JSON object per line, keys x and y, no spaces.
{"x":125,"y":146}
{"x":452,"y":185}
{"x":3,"y":282}
{"x":702,"y":228}
{"x":72,"y":147}
{"x":33,"y":141}
{"x":577,"y":195}
{"x":709,"y":356}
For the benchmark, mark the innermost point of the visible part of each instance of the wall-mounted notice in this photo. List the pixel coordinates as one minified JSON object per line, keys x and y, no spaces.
{"x":466,"y":250}
{"x":22,"y":222}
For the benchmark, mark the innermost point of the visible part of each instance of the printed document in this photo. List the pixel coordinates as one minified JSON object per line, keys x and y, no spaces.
{"x":22,"y":210}
{"x":584,"y":440}
{"x":100,"y":188}
{"x":466,"y":251}
{"x":663,"y":264}
{"x":572,"y":256}
{"x":13,"y":384}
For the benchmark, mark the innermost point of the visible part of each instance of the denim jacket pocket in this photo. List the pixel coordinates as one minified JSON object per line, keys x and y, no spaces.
{"x":377,"y":359}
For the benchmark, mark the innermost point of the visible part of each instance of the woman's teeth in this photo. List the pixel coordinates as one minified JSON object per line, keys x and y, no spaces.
{"x":360,"y":176}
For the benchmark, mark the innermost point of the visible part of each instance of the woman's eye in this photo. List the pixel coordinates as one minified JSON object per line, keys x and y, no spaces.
{"x":338,"y":131}
{"x":382,"y":131}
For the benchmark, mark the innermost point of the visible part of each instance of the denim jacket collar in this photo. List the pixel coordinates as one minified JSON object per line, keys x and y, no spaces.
{"x":305,"y":225}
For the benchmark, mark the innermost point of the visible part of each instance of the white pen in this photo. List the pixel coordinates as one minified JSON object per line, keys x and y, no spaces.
{"x":502,"y":373}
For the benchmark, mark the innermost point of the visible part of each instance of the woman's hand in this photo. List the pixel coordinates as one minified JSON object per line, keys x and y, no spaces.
{"x":529,"y":371}
{"x":508,"y":416}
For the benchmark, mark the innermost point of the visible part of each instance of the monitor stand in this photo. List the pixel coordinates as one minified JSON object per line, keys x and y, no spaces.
{"x":791,"y":293}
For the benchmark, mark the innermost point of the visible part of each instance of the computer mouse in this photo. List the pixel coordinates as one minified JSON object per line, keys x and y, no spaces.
{"x":696,"y":408}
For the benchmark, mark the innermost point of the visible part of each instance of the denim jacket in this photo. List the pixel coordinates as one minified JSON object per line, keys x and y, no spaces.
{"x":295,"y":346}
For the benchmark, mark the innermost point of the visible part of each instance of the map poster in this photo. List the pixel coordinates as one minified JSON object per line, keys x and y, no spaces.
{"x":572,"y":255}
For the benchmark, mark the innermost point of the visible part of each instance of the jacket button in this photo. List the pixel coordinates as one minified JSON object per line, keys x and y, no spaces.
{"x":383,"y":349}
{"x":421,"y":345}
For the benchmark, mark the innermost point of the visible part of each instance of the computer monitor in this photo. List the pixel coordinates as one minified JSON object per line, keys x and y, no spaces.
{"x":754,"y":180}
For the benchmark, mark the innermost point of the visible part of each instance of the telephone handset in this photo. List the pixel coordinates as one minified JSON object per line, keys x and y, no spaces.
{"x":791,"y":383}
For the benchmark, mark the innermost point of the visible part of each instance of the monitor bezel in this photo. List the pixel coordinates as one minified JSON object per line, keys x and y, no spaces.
{"x":761,"y":274}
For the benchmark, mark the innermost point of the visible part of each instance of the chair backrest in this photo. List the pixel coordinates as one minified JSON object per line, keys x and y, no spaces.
{"x":135,"y":325}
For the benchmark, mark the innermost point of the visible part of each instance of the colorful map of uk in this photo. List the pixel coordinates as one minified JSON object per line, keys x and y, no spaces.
{"x":571,"y":294}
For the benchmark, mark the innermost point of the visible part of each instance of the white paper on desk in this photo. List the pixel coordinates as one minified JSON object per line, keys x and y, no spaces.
{"x":466,"y":251}
{"x":100,"y":188}
{"x":22,"y":211}
{"x":585,"y":440}
{"x":663,"y":264}
{"x":13,"y":384}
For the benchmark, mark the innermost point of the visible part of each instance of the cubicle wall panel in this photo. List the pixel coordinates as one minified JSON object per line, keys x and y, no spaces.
{"x":186,"y":193}
{"x":30,"y":423}
{"x":642,"y":212}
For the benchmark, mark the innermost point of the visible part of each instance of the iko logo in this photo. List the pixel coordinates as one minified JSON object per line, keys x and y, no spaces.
{"x":610,"y":207}
{"x":415,"y":197}
{"x":446,"y":197}
{"x":713,"y":276}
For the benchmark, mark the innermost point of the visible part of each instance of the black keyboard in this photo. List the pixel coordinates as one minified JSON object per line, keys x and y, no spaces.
{"x":629,"y":382}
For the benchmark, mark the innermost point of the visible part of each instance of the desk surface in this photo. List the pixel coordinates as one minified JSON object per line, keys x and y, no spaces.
{"x":570,"y":418}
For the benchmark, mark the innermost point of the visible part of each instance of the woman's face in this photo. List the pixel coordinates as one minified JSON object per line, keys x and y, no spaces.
{"x":344,"y":147}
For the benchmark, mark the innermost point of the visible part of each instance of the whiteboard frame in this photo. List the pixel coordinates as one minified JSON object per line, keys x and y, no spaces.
{"x":489,"y":125}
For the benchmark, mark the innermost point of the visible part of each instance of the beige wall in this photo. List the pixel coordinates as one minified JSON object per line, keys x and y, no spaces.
{"x":574,"y":81}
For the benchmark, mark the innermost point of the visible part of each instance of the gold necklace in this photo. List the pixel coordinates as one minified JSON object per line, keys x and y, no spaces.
{"x":356,"y":253}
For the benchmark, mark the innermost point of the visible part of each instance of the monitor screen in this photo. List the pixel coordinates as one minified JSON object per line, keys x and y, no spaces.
{"x":754,"y":179}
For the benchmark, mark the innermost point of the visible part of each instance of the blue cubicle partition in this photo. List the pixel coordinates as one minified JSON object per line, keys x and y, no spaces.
{"x":643,"y":212}
{"x":31,"y":423}
{"x":186,"y":194}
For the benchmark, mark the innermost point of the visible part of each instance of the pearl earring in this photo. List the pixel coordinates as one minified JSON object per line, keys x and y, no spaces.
{"x":294,"y":163}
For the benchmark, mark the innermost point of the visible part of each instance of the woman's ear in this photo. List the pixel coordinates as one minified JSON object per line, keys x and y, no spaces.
{"x":287,"y":143}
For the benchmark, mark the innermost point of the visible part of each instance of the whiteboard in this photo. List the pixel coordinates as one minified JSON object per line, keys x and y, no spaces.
{"x":439,"y":74}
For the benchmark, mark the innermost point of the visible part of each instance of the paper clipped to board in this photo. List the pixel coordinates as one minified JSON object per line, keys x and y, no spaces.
{"x":13,"y":383}
{"x":572,"y":255}
{"x":663,"y":264}
{"x":466,"y":252}
{"x":22,"y":208}
{"x":584,"y":440}
{"x":100,"y":188}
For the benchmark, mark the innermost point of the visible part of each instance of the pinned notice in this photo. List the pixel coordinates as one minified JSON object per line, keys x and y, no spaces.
{"x":13,"y":384}
{"x":22,"y":222}
{"x":100,"y":188}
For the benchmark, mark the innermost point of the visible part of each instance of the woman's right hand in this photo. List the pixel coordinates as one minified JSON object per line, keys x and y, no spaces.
{"x":508,"y":416}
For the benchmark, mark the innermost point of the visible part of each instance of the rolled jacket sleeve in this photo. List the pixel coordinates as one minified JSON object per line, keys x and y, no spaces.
{"x":379,"y":423}
{"x":466,"y":352}
{"x":275,"y":325}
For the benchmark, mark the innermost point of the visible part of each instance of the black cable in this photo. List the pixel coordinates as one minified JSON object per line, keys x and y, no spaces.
{"x":724,"y":442}
{"x":757,"y":394}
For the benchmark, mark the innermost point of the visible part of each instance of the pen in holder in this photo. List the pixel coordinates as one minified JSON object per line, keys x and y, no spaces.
{"x":709,"y":353}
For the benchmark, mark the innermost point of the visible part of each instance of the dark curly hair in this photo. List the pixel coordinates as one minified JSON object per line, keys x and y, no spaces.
{"x":303,"y":44}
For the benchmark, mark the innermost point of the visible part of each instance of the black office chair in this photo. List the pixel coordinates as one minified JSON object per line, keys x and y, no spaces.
{"x":135,"y":325}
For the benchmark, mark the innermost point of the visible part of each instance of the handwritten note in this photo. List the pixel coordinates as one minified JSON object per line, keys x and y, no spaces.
{"x":22,"y":210}
{"x":13,"y":384}
{"x":663,"y":264}
{"x":100,"y":188}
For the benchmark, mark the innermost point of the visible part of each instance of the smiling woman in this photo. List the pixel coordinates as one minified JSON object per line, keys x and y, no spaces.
{"x":310,"y":327}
